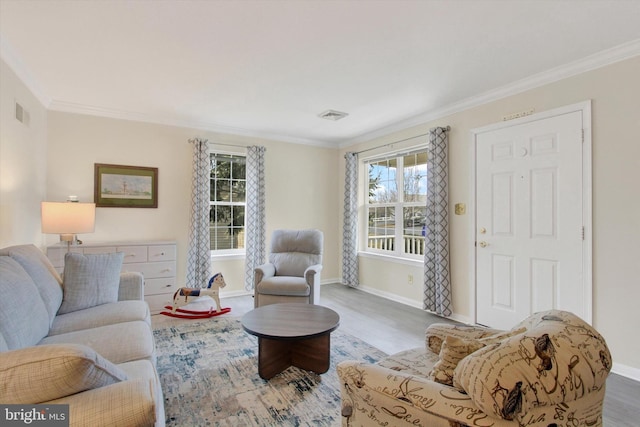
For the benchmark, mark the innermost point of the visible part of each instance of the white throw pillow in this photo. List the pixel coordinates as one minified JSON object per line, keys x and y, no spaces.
{"x":90,"y":280}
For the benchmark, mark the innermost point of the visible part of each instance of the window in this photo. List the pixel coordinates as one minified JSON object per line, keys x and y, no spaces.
{"x":396,"y":205}
{"x":228,"y":189}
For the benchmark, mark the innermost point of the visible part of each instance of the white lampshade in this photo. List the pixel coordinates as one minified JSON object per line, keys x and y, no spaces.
{"x":66,"y":218}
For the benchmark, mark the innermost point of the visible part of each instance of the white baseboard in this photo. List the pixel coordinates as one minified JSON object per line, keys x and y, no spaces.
{"x":409,"y":302}
{"x":232,"y":294}
{"x":626,"y":371}
{"x":390,"y":296}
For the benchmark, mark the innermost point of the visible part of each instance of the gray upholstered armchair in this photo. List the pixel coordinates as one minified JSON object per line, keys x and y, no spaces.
{"x":293,"y":271}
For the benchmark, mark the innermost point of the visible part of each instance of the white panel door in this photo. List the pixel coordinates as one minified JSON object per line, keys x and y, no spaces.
{"x":529,"y":242}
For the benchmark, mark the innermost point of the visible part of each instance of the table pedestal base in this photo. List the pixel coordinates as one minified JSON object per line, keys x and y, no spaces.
{"x":311,"y":354}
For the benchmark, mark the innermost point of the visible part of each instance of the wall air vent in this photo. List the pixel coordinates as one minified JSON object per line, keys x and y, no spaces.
{"x":333,"y":115}
{"x":22,"y":115}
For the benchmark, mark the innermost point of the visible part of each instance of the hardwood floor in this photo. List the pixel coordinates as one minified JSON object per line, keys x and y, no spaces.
{"x":392,"y":327}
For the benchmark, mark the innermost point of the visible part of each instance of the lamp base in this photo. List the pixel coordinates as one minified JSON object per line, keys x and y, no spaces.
{"x":69,"y":238}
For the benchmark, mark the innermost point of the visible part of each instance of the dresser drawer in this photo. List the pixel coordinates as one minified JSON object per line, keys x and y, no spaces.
{"x":133,"y":253}
{"x":152,"y":270}
{"x":99,"y":250}
{"x":159,"y":286}
{"x":162,"y":253}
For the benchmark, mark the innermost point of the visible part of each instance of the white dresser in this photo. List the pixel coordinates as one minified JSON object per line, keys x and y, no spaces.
{"x":156,"y":260}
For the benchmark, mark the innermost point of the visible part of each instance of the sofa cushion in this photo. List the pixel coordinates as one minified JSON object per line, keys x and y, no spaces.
{"x":558,"y":359}
{"x":90,"y":280}
{"x":144,"y":370}
{"x":452,"y":352}
{"x":130,"y":403}
{"x":118,"y":343}
{"x":101,"y":315}
{"x":44,"y":275}
{"x":39,"y":374}
{"x":24,"y":319}
{"x":436,"y":333}
{"x":415,"y":361}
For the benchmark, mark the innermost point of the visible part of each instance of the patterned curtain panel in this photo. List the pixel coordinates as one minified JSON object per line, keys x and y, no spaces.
{"x":437,"y":284}
{"x":255,"y":218}
{"x":350,"y":231}
{"x":199,"y":251}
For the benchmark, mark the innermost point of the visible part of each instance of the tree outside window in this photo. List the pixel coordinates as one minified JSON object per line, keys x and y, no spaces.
{"x":396,"y":206}
{"x":228,"y":198}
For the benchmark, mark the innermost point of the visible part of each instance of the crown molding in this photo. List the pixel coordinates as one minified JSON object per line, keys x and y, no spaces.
{"x":70,"y":107}
{"x":598,"y":60}
{"x":8,"y":55}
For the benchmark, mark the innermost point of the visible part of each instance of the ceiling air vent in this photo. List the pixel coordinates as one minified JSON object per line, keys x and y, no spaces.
{"x":333,"y":115}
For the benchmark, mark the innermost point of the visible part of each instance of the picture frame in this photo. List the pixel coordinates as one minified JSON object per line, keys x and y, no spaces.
{"x":120,"y":186}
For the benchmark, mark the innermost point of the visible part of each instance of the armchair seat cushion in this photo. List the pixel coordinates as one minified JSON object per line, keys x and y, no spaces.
{"x":284,"y":285}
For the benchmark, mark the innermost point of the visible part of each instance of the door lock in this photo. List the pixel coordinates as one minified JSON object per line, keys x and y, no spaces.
{"x":482,"y":230}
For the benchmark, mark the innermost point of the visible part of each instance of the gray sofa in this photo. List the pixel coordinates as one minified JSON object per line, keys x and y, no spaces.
{"x":62,"y":344}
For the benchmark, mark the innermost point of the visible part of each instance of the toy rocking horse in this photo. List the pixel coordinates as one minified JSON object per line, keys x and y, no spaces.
{"x":182,"y":295}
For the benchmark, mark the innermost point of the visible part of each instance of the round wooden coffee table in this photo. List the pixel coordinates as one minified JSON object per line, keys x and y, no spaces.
{"x":292,"y":334}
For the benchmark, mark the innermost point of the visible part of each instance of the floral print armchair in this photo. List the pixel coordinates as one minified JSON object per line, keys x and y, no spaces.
{"x":550,"y":370}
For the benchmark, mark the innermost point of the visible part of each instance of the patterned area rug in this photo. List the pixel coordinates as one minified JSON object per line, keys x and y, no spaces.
{"x":209,"y":375}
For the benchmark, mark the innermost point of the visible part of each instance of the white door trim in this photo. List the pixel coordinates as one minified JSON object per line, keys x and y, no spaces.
{"x":587,"y":254}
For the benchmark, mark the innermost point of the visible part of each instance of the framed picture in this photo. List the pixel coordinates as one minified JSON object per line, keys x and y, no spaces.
{"x":120,"y":186}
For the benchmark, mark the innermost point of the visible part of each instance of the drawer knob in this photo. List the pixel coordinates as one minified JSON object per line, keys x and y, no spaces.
{"x":168,"y":286}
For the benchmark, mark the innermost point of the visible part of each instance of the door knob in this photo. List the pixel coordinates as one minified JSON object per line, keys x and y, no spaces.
{"x":483,"y":244}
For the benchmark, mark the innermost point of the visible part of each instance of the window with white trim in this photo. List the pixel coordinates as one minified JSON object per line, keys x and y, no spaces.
{"x":396,"y":204}
{"x":228,"y":199}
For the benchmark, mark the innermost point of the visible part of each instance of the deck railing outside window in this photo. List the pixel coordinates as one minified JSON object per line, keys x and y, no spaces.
{"x":413,"y":245}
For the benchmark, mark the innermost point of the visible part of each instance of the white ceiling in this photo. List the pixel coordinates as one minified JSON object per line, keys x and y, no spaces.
{"x":269,"y":68}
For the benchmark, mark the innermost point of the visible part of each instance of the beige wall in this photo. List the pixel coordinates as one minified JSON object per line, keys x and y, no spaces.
{"x":23,"y":165}
{"x":55,"y":156}
{"x":615,"y":94}
{"x":299,"y":180}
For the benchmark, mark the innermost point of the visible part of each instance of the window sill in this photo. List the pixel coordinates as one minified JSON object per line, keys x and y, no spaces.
{"x":227,"y":256}
{"x":391,"y":258}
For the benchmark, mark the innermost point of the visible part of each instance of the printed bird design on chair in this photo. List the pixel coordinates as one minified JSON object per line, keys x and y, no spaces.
{"x":512,"y":403}
{"x":545,"y":351}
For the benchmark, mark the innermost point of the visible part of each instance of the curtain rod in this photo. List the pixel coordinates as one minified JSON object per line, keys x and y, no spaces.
{"x":447,"y":128}
{"x":222,"y":143}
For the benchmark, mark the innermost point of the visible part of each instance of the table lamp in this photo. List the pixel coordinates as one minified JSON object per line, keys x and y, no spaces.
{"x":68,"y":219}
